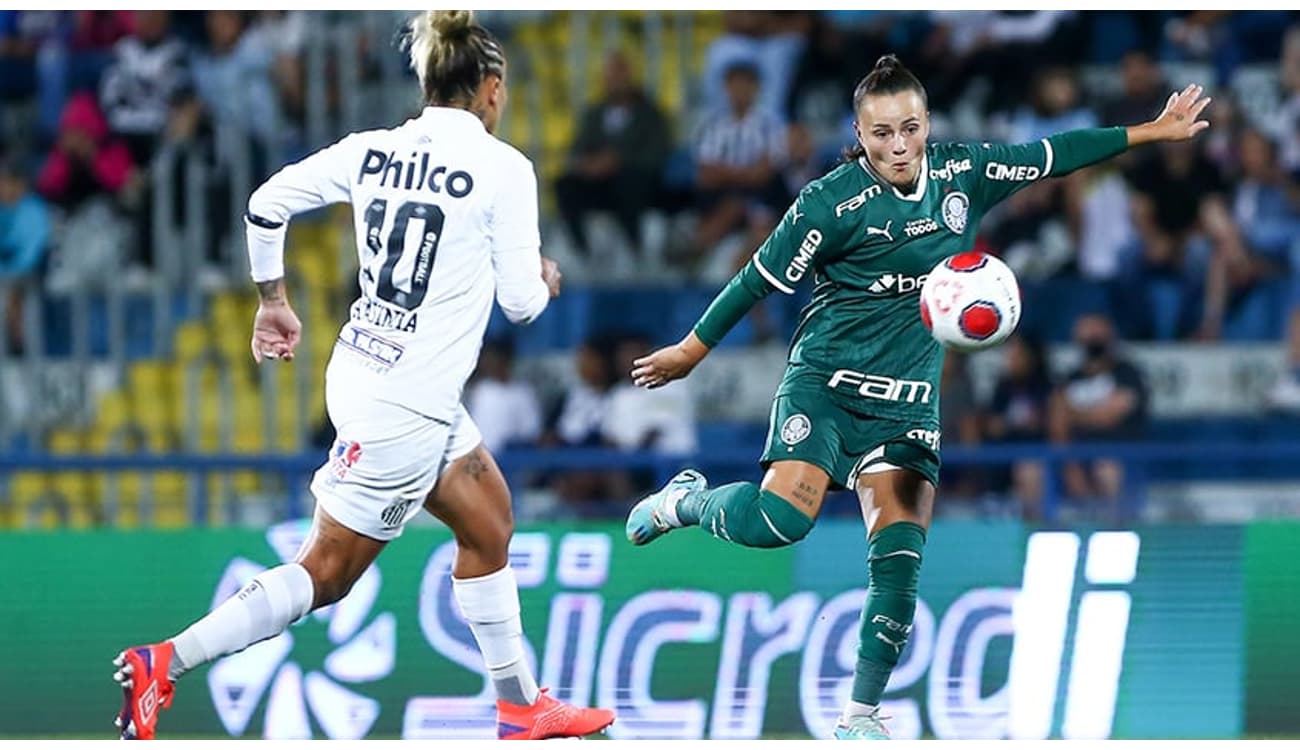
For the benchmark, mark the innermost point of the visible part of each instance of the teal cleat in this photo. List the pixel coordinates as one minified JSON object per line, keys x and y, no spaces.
{"x":656,"y":515}
{"x":868,"y":727}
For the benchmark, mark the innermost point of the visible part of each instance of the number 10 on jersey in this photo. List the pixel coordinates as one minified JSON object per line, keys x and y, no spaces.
{"x":409,"y":293}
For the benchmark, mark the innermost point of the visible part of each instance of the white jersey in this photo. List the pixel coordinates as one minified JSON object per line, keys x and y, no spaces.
{"x":445,"y":216}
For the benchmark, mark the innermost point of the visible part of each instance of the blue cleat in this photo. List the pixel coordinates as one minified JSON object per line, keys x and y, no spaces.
{"x":868,"y":727}
{"x":656,"y":515}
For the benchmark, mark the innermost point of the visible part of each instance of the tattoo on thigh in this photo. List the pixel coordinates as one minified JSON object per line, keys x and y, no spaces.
{"x":475,"y":466}
{"x":806,"y":494}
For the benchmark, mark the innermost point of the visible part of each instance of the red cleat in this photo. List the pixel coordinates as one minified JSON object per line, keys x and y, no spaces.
{"x":146,"y":688}
{"x":548,"y":718}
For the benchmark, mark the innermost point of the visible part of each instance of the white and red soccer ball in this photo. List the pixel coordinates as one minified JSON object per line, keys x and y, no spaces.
{"x":970,"y":301}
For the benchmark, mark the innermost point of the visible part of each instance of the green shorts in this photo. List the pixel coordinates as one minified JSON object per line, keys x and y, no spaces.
{"x":810,"y":427}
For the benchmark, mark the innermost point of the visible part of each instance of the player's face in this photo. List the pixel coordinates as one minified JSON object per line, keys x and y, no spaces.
{"x":893,"y":129}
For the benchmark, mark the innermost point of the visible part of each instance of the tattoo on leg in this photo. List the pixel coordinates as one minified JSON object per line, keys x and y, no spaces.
{"x":475,"y":466}
{"x":806,"y":494}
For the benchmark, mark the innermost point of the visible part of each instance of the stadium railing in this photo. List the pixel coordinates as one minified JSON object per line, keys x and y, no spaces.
{"x":294,"y":470}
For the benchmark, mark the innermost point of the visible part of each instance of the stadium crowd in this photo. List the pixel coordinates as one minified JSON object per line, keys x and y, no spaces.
{"x":1189,"y":242}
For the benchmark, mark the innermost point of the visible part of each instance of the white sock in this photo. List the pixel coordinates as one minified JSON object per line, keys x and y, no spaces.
{"x":853,"y":708}
{"x":262,"y":609}
{"x":490,"y":604}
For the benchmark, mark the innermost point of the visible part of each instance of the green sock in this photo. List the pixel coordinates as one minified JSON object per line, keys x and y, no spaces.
{"x":894,"y":565}
{"x":744,"y":514}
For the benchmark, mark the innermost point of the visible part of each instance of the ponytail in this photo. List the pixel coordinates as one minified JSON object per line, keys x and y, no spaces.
{"x":451,"y":55}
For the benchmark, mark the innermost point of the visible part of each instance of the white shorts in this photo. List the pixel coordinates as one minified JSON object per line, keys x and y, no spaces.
{"x":384,"y":461}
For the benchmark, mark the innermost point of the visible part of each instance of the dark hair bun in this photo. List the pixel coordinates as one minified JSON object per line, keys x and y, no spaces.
{"x":888,"y":63}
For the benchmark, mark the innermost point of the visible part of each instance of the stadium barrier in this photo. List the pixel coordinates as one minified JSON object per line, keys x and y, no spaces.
{"x":720,"y":462}
{"x":1157,"y":631}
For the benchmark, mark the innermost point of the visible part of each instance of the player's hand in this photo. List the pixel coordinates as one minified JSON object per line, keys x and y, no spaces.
{"x":276,"y":331}
{"x":1178,"y":120}
{"x":552,"y":276}
{"x":669,"y":363}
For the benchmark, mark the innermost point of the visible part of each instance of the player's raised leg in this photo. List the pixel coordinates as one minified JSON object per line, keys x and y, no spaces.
{"x":331,"y":560}
{"x":897,"y":506}
{"x":472,"y":498}
{"x":776,"y":513}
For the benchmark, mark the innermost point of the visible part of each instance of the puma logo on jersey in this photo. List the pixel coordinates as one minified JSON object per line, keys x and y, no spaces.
{"x":896,"y":283}
{"x":877,"y":231}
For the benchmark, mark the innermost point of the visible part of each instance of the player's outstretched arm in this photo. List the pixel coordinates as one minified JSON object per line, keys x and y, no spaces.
{"x":1177,"y":122}
{"x":670,"y":363}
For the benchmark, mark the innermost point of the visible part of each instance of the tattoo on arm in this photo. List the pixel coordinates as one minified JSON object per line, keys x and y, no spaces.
{"x":271,"y":291}
{"x":806,"y":495}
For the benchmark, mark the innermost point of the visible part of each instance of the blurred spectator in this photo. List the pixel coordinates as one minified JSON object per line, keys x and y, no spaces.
{"x":1287,"y":124}
{"x":1142,"y":94}
{"x":582,"y":409}
{"x":616,"y":160}
{"x":1266,"y":204}
{"x":233,"y":79}
{"x":506,"y":410}
{"x":770,"y":41}
{"x":22,"y":32}
{"x":1017,"y":413}
{"x":1055,"y":107}
{"x":75,"y":58}
{"x":959,"y":423}
{"x":579,"y":421}
{"x":24,"y":239}
{"x":661,"y":420}
{"x":1225,"y":38}
{"x":1031,"y":231}
{"x":832,"y":63}
{"x":147,"y":90}
{"x":87,"y":161}
{"x":1097,"y":212}
{"x":1104,"y":399}
{"x":1189,"y":241}
{"x":1003,"y":47}
{"x":740,"y":151}
{"x":284,"y":32}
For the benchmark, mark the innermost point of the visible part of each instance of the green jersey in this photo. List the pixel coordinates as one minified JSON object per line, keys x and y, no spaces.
{"x":867,"y":247}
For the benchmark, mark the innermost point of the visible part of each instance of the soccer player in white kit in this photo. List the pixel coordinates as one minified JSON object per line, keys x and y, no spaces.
{"x":446,"y":218}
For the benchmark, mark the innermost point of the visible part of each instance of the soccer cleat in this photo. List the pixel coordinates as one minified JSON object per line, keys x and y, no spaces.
{"x":548,"y":718}
{"x":866,"y":727}
{"x":146,"y":688}
{"x":651,"y":519}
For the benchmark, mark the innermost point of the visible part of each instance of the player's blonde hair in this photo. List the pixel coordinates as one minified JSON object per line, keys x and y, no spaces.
{"x":451,"y":55}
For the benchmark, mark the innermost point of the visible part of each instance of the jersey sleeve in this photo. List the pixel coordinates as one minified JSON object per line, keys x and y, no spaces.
{"x":787,"y":255}
{"x":318,"y":180}
{"x":779,"y":264}
{"x":516,"y":243}
{"x":1001,"y":170}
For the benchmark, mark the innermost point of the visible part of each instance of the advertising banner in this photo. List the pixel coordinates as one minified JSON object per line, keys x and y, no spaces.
{"x":1019,"y":633}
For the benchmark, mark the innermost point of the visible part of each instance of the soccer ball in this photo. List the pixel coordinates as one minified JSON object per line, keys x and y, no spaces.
{"x":970,"y":301}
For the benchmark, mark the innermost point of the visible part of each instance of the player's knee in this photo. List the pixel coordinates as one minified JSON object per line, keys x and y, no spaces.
{"x":330,"y":582}
{"x":782,"y":523}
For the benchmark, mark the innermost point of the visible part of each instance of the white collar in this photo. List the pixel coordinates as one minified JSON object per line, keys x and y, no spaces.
{"x":454,"y":116}
{"x":921,"y":178}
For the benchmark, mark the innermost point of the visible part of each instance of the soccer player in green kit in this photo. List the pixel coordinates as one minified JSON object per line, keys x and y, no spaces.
{"x":858,"y":406}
